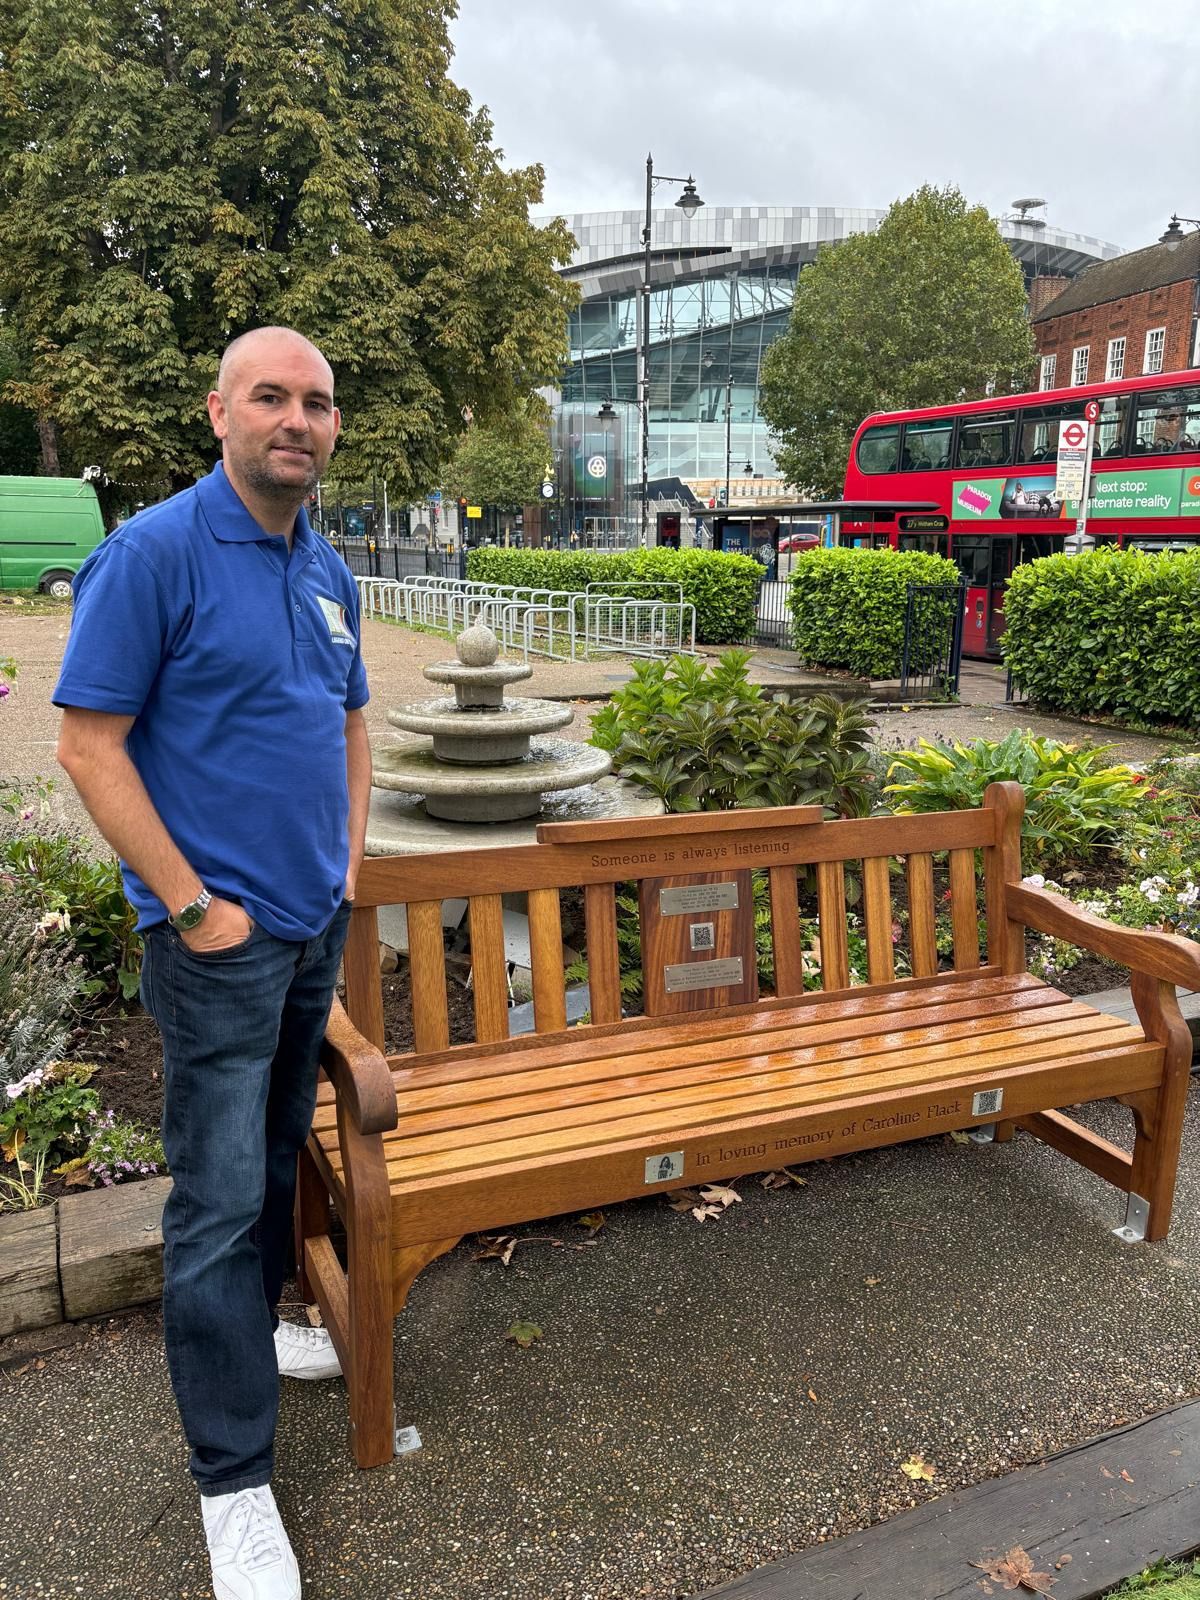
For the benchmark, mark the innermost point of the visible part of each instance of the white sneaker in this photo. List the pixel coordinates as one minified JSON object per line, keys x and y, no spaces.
{"x":250,"y":1553}
{"x":305,"y":1352}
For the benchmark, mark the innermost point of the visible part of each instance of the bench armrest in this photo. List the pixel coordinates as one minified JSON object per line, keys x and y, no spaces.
{"x":359,"y":1073}
{"x":1159,"y":955}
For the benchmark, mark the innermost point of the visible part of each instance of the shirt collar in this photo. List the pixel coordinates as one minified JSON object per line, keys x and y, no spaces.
{"x":229,"y":520}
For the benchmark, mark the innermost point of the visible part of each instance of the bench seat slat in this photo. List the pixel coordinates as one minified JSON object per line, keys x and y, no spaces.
{"x":670,"y":1091}
{"x":882,"y":1029}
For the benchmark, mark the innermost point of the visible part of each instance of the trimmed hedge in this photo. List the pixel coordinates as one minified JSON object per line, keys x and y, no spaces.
{"x":721,"y":587}
{"x":848,"y":607}
{"x":1110,"y":632}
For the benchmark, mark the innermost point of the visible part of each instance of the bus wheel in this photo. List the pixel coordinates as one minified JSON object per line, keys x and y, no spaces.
{"x":57,"y":584}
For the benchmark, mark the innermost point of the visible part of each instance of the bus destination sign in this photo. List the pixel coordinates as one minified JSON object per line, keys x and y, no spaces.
{"x":926,"y":524}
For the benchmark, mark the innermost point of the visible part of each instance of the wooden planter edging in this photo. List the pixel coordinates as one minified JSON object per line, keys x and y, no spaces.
{"x":101,"y":1251}
{"x":85,"y":1256}
{"x":1112,"y":1505}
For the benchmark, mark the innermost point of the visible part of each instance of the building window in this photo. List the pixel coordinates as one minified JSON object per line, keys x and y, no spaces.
{"x":1048,"y":365}
{"x":1115,"y":366}
{"x":1152,"y":361}
{"x":1079,"y":363}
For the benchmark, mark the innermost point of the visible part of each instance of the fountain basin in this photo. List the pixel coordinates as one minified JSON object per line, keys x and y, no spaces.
{"x":499,"y":790}
{"x":399,"y":825}
{"x":478,"y":735}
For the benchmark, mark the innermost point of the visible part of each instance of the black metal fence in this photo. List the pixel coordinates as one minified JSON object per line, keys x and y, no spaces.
{"x":366,"y":559}
{"x":933,"y":629}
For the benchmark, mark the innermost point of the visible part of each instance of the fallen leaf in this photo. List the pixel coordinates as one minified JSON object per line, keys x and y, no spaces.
{"x":524,"y":1334}
{"x":918,"y":1469}
{"x":593,"y":1221}
{"x":497,"y":1247}
{"x":701,"y":1213}
{"x":812,"y":1397}
{"x":1105,"y":1473}
{"x":872,"y":1283}
{"x":81,"y":1178}
{"x":1126,"y":1476}
{"x":1072,"y":877}
{"x":717,"y":1195}
{"x":781,"y":1179}
{"x":958,"y":1137}
{"x":682,"y":1199}
{"x":1015,"y":1571}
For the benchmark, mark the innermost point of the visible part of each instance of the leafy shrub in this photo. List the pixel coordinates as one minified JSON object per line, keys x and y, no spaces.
{"x":848,"y":608}
{"x":39,"y":990}
{"x":706,"y":739}
{"x":1075,"y":803}
{"x":80,"y":903}
{"x":1111,"y":632}
{"x":122,"y":1151}
{"x":721,"y":587}
{"x":50,"y":1112}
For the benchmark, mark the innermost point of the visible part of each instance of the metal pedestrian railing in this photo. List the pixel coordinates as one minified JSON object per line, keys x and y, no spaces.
{"x":562,"y":625}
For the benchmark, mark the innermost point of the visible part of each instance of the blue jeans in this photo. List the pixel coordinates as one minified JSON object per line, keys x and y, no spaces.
{"x":241,"y":1031}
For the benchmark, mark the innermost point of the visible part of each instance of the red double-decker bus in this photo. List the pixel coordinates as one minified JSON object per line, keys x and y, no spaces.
{"x":989,"y":467}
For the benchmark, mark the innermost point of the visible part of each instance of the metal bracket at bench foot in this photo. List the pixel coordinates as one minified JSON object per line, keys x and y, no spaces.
{"x":408,"y":1441}
{"x":984,"y":1134}
{"x":1137,"y":1215}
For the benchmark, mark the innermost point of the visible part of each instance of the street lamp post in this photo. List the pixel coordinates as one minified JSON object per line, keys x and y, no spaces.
{"x":1174,"y":236}
{"x":689,"y":203}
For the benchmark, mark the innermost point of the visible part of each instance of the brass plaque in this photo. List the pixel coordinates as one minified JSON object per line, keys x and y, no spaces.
{"x":686,"y":975}
{"x":698,"y":897}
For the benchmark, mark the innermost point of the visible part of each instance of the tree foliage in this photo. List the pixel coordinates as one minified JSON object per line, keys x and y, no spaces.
{"x":174,"y":173}
{"x":928,"y":309}
{"x":505,"y":463}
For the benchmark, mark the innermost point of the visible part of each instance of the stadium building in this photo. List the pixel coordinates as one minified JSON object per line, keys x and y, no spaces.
{"x":721,"y":288}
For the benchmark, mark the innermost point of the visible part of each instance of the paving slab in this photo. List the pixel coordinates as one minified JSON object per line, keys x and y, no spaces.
{"x":706,"y":1398}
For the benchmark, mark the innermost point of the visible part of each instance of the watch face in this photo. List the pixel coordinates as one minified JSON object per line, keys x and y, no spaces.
{"x":189,"y":916}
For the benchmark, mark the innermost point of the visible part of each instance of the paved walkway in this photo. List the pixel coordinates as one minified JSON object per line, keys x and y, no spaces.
{"x":706,"y":1398}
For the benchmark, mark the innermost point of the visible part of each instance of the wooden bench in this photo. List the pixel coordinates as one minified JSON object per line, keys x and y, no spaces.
{"x":413,"y":1151}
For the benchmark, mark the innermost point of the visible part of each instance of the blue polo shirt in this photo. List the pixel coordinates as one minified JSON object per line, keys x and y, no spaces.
{"x":238,"y":660}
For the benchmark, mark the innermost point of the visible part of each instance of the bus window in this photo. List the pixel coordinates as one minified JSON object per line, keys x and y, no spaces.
{"x":972,"y":554}
{"x":1032,"y":546}
{"x":987,"y":442}
{"x":879,"y":448}
{"x":1110,"y":429}
{"x":1039,"y":432}
{"x":1169,"y":420}
{"x":926,"y":446}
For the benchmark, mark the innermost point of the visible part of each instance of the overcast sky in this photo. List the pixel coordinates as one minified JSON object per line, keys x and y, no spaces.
{"x":1093,"y":104}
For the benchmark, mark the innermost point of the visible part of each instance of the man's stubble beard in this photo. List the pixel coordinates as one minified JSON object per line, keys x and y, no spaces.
{"x":259,"y":477}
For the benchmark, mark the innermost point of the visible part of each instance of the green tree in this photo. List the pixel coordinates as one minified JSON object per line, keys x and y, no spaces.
{"x":173,"y":173}
{"x":505,"y":463}
{"x":20,"y":450}
{"x":927,"y":309}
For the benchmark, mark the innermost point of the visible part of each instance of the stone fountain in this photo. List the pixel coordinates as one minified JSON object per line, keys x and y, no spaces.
{"x":481,"y":771}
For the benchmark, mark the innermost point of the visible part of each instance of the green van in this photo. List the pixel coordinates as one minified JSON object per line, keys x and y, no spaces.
{"x":48,"y":528}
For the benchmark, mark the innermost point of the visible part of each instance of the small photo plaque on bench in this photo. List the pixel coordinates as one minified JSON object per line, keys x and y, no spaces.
{"x":698,"y":942}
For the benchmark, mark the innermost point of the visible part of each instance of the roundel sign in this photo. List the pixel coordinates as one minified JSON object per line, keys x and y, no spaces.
{"x":1092,"y":410}
{"x":1193,"y":485}
{"x":1074,"y":435}
{"x":597,"y":467}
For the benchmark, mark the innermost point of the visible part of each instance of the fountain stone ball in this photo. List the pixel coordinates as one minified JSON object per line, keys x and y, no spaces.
{"x":477,"y":646}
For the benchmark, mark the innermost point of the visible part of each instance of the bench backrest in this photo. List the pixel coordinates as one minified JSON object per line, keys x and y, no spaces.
{"x":952,"y":848}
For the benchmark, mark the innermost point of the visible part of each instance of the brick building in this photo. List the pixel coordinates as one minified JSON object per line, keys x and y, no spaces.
{"x":1135,"y":314}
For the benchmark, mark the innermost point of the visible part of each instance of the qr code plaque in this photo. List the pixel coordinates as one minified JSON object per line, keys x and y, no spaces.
{"x":702,"y":935}
{"x":987,"y":1102}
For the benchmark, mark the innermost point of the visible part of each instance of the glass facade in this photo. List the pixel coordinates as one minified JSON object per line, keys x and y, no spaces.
{"x":702,"y":335}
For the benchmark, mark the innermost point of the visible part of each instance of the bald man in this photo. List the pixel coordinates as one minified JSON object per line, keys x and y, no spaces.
{"x":212,"y":691}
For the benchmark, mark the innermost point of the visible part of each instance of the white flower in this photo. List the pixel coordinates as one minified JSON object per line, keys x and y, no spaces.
{"x":1189,"y":895}
{"x":56,"y":921}
{"x":1034,"y":881}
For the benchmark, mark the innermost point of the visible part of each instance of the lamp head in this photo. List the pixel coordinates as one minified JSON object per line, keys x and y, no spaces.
{"x":1173,"y":237}
{"x":689,"y":201}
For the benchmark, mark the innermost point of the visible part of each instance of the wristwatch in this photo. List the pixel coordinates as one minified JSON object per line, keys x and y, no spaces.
{"x":192,"y":914}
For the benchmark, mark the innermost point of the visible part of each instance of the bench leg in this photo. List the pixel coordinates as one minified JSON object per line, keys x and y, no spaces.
{"x":312,"y":1217}
{"x":1004,"y":1132}
{"x":369,"y":1375}
{"x":1158,"y":1114}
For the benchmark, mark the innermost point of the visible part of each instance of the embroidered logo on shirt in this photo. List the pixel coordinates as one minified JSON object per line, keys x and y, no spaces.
{"x":335,"y":616}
